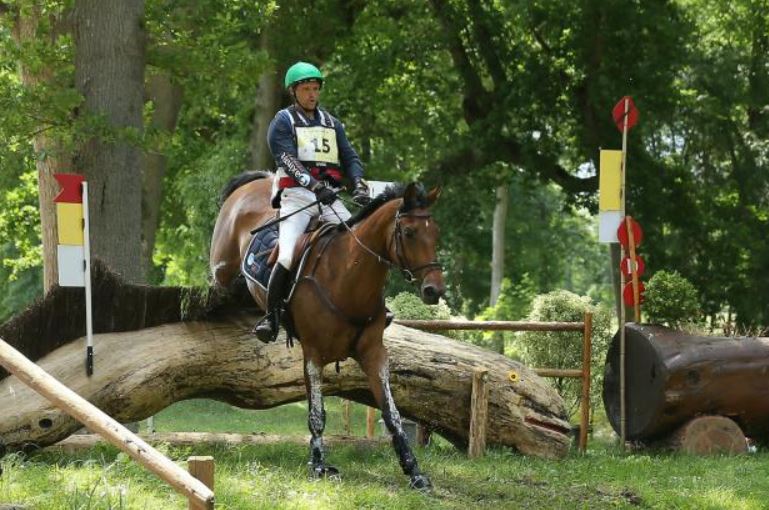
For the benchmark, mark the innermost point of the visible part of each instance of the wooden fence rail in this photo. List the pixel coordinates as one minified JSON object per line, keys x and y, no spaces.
{"x":586,"y":326}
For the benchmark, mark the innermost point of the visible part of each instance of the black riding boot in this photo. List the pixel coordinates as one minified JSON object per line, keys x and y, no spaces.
{"x":267,"y":330}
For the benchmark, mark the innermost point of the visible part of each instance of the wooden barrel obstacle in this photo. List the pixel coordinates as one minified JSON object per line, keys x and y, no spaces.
{"x":479,"y":400}
{"x":195,"y":490}
{"x":695,"y":393}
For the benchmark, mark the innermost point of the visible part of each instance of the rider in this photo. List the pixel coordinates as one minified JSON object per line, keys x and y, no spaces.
{"x":312,"y":152}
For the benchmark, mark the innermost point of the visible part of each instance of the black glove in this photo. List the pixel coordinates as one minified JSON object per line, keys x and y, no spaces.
{"x":325,"y":195}
{"x":360,"y":196}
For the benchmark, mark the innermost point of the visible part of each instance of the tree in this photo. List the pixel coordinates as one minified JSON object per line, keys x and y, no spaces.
{"x":109,"y":73}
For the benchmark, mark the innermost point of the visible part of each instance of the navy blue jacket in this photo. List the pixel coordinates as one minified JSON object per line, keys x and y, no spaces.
{"x":280,"y":138}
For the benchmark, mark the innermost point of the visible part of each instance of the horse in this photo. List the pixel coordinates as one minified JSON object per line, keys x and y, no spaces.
{"x":336,"y":308}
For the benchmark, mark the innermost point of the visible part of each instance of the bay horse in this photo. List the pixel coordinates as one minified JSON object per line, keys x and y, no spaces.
{"x":336,"y":309}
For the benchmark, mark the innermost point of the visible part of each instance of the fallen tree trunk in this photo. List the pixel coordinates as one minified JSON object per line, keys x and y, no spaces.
{"x":141,"y":372}
{"x":673,"y":377}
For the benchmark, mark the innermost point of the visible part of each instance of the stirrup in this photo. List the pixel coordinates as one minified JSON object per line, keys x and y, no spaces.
{"x":266,"y":330}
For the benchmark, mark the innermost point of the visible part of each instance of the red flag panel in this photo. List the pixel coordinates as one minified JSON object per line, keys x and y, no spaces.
{"x":618,"y":113}
{"x":71,"y":188}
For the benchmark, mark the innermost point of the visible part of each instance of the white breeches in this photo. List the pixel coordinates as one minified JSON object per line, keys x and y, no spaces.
{"x":292,"y":228}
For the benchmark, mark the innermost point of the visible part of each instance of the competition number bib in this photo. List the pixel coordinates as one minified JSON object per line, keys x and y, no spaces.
{"x":317,"y":144}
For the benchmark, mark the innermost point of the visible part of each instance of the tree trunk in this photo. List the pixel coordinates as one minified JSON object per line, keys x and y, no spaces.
{"x":140,"y":373}
{"x":673,"y":377}
{"x":109,"y":73}
{"x":498,"y":256}
{"x":167,"y":99}
{"x":50,"y":154}
{"x":498,"y":242}
{"x":268,"y":95}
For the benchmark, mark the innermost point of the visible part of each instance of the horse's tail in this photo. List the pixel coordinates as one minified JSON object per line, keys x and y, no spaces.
{"x":240,"y":180}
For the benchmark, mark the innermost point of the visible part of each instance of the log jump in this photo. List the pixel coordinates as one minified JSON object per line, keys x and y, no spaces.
{"x":674,"y":377}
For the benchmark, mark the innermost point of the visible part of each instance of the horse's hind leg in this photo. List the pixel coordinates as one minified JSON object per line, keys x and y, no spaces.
{"x":316,"y":421}
{"x":376,"y":369}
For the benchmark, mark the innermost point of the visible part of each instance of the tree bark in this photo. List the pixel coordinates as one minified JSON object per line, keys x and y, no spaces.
{"x":141,"y":372}
{"x":50,"y":154}
{"x":167,"y":99}
{"x":707,"y":435}
{"x":498,"y":242}
{"x":109,"y":73}
{"x":673,"y":377}
{"x":268,"y":96}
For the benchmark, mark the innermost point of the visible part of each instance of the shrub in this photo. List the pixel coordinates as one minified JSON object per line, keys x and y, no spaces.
{"x":563,"y":350}
{"x":409,"y":306}
{"x":672,"y":300}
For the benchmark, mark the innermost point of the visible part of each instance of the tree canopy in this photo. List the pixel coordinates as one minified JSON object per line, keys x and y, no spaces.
{"x":469,"y":94}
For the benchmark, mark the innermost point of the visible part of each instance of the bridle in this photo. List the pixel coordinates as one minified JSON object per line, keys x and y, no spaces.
{"x":401,"y":262}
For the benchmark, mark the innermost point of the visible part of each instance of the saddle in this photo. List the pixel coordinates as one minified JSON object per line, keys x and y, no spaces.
{"x":263,"y":250}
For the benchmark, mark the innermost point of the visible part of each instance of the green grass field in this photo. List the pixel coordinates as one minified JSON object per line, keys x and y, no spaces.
{"x":274,"y":476}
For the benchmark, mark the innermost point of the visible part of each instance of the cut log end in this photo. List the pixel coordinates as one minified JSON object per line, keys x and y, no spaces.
{"x":707,"y":435}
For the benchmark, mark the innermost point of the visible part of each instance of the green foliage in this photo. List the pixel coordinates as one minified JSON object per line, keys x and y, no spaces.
{"x":182,"y":245}
{"x":21,"y":250}
{"x":409,"y":306}
{"x":563,"y":350}
{"x":672,"y":300}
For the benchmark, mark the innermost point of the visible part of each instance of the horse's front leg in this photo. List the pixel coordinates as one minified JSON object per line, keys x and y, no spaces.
{"x":378,"y":373}
{"x":316,"y":420}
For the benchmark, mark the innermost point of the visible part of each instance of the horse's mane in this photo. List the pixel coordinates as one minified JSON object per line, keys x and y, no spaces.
{"x":240,"y":180}
{"x":391,"y":192}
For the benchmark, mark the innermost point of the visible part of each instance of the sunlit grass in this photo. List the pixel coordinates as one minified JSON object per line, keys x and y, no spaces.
{"x":275,"y":477}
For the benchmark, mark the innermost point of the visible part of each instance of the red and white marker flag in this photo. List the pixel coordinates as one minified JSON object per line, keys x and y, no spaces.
{"x":73,"y":251}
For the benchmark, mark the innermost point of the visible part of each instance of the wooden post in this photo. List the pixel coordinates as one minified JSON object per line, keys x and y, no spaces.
{"x":97,"y":421}
{"x":346,"y":417}
{"x":479,"y":404}
{"x":370,"y":422}
{"x":587,"y":348}
{"x":423,"y":434}
{"x":201,"y":468}
{"x":634,"y":270}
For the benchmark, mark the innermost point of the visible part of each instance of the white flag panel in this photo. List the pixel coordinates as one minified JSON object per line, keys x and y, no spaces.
{"x":71,"y":265}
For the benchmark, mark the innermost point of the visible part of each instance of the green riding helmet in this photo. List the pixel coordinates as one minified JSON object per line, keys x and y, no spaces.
{"x":302,"y":71}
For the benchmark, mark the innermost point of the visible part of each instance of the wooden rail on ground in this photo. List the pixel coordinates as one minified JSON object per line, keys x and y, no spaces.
{"x":586,"y":326}
{"x":99,"y":422}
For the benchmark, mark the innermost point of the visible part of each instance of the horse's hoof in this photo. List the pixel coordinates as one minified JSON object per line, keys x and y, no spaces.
{"x":421,"y":483}
{"x":323,"y":471}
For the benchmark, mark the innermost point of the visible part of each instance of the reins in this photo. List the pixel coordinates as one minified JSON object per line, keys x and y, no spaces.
{"x":408,"y":273}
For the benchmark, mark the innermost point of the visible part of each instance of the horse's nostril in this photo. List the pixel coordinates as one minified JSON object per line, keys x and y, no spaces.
{"x":430,"y":294}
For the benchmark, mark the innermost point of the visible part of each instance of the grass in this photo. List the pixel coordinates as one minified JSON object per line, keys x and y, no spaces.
{"x":274,"y":476}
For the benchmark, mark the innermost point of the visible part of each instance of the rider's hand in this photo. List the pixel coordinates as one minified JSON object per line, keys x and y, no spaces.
{"x":325,"y":195}
{"x":360,"y":196}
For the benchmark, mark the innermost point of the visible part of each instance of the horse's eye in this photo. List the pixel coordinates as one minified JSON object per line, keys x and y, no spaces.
{"x":409,"y":232}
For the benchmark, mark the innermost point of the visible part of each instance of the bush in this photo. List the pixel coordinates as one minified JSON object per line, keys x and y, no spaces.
{"x":672,"y":300}
{"x":563,"y":350}
{"x":409,"y":306}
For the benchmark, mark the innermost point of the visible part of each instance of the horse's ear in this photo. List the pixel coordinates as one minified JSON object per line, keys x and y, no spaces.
{"x":410,"y":196}
{"x":433,"y":195}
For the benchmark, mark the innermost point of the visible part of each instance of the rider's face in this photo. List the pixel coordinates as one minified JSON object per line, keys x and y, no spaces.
{"x":307,"y":95}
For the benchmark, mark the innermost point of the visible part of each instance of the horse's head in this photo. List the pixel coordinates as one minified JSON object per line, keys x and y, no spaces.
{"x":414,"y":242}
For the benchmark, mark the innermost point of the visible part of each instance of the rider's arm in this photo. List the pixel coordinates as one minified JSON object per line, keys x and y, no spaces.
{"x":280,"y":138}
{"x":349,"y":158}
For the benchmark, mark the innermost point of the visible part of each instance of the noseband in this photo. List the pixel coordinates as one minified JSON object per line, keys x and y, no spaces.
{"x":402,"y":262}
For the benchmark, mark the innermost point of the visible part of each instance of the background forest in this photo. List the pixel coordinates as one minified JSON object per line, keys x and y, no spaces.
{"x":504,"y":103}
